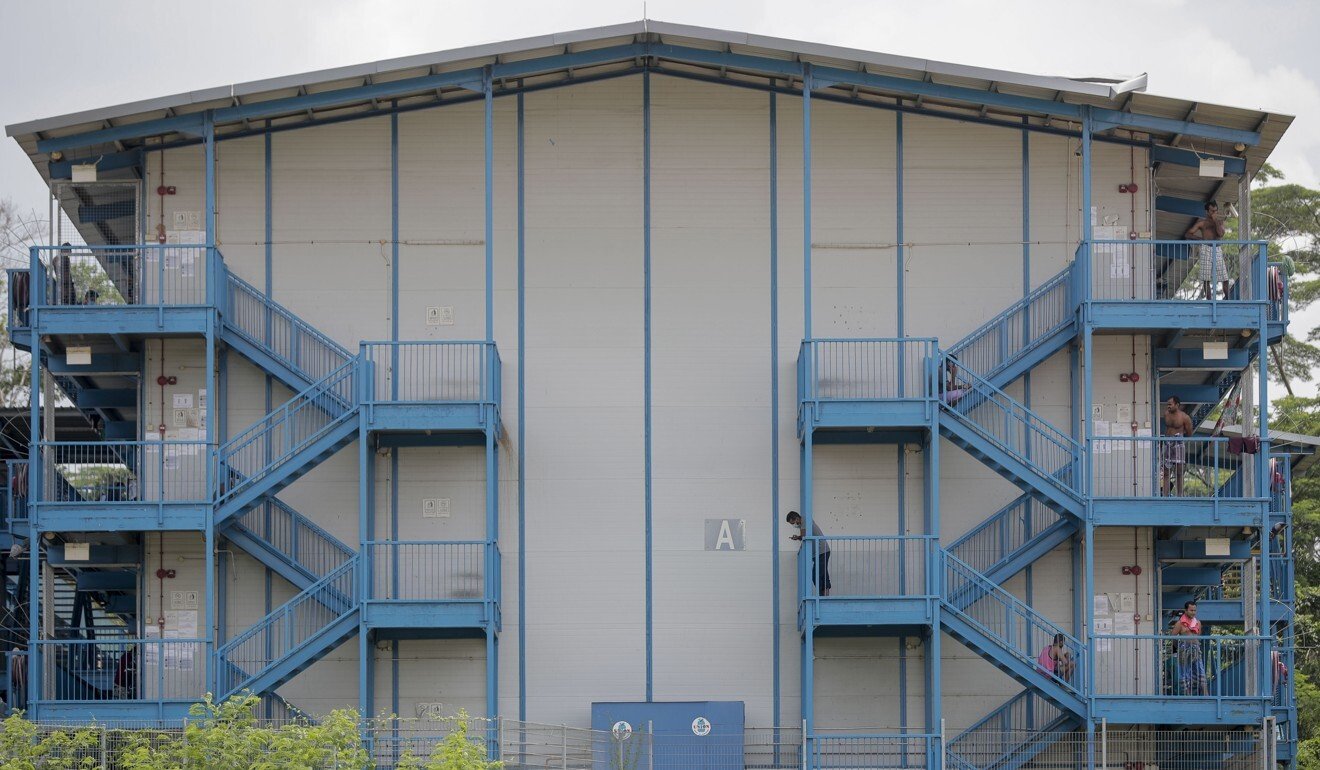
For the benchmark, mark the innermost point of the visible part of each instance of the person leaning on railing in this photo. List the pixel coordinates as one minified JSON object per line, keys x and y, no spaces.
{"x":820,"y":560}
{"x":1210,"y":257}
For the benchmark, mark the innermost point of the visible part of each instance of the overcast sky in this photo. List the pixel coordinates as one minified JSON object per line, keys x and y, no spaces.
{"x":63,"y":56}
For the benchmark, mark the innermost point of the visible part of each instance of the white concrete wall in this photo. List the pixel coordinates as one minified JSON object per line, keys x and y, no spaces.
{"x":712,"y":454}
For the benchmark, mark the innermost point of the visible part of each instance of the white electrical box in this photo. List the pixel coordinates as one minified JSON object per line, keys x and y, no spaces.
{"x":1212,"y":168}
{"x":1214,"y":351}
{"x":84,"y":172}
{"x":442,"y":315}
{"x":77,"y":552}
{"x":436,"y":508}
{"x":78,"y":356}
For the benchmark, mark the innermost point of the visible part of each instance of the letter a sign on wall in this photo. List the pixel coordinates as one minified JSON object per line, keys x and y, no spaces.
{"x":726,"y":534}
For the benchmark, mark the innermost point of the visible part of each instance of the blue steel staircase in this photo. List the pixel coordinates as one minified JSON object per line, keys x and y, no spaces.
{"x":1040,"y":459}
{"x":1023,"y":336}
{"x":1011,"y":735}
{"x":1044,"y":462}
{"x":293,"y":636}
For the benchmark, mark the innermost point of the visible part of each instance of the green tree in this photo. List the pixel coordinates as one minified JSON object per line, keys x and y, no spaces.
{"x":1288,"y":216}
{"x":25,"y":746}
{"x":458,"y":751}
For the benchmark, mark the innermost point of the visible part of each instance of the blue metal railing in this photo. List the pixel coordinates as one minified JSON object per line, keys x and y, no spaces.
{"x":1010,"y":425}
{"x":137,"y":275}
{"x":280,"y":333}
{"x":879,"y":369}
{"x":866,"y":566}
{"x":1006,"y":731}
{"x":427,"y":570}
{"x":1153,"y":666}
{"x":1019,"y":630}
{"x":1166,"y":466}
{"x":1000,"y":341}
{"x":290,"y":428}
{"x":19,"y":285}
{"x":1176,"y":270}
{"x":305,"y":544}
{"x":289,"y":627}
{"x":1004,"y":533}
{"x":140,"y":670}
{"x":126,"y":472}
{"x":1278,"y":285}
{"x":434,"y":372}
{"x":16,"y":491}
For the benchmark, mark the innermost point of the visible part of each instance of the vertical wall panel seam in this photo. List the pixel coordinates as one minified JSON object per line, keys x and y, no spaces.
{"x":774,"y":403}
{"x":270,"y":282}
{"x":646,"y":333}
{"x":1026,"y":290}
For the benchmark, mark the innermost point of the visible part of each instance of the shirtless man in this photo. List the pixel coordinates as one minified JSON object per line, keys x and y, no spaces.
{"x":1210,"y":256}
{"x":1173,"y":451}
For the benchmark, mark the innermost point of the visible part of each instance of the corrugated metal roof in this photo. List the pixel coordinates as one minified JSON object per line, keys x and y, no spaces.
{"x":1124,"y":95}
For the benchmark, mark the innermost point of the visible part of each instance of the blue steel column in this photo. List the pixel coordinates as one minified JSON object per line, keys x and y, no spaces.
{"x":934,"y":579}
{"x":806,"y":208}
{"x":36,"y":483}
{"x":208,"y":135}
{"x":489,"y":115}
{"x":808,"y":648}
{"x":646,"y":386}
{"x":522,"y":419}
{"x":1085,"y":275}
{"x":492,"y":464}
{"x":1087,"y":386}
{"x":1263,"y":482}
{"x":774,"y":407}
{"x":808,"y":672}
{"x":366,"y":530}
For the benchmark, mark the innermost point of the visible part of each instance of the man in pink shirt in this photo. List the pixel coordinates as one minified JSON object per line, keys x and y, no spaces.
{"x":1188,"y":620}
{"x":1191,"y":664}
{"x":1056,"y":660}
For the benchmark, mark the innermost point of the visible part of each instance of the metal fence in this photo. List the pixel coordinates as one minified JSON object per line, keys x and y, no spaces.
{"x":434,"y":372}
{"x":1182,"y":666}
{"x":390,"y":743}
{"x":417,"y":570}
{"x":1192,"y":749}
{"x":125,"y":471}
{"x":868,"y":751}
{"x":1172,"y":270}
{"x":865,"y":369}
{"x":1162,"y":466}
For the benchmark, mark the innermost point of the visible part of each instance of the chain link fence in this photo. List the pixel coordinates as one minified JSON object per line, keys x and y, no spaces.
{"x":389,"y":744}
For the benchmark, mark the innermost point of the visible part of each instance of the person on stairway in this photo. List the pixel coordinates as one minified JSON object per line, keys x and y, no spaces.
{"x":1173,"y":449}
{"x":953,"y":390}
{"x":1056,"y":660}
{"x":820,"y":567}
